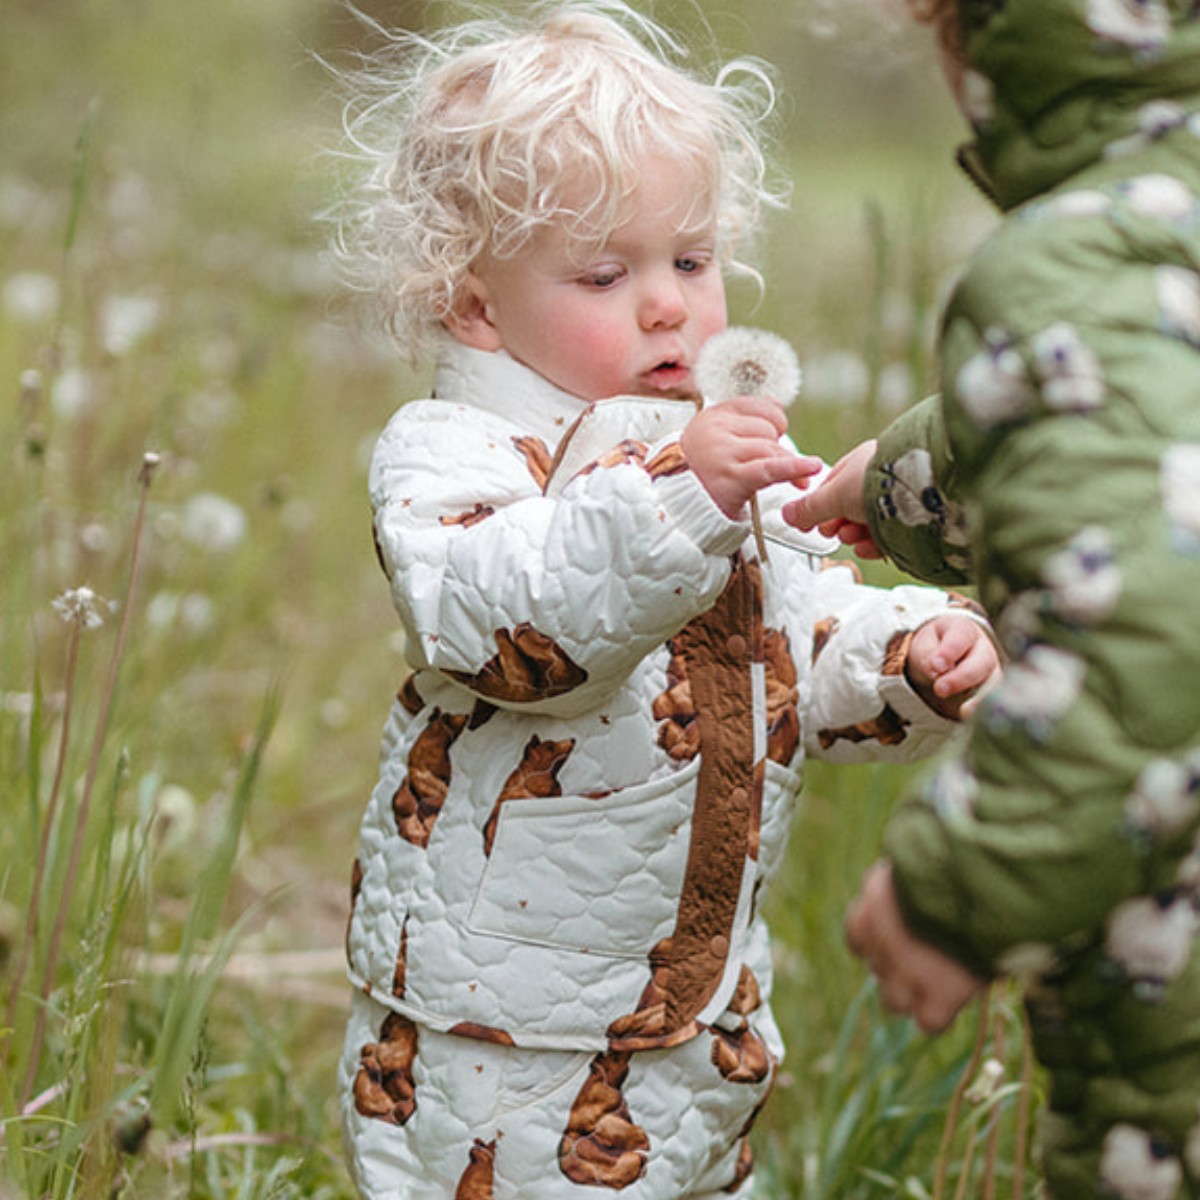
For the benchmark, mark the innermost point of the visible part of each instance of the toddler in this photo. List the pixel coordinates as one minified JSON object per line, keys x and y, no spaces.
{"x":560,"y":975}
{"x":1060,"y":468}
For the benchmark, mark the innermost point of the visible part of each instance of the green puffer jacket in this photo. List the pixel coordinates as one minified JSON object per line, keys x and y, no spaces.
{"x":1060,"y":472}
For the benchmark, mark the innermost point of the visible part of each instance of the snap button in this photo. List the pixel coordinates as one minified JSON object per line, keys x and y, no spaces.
{"x":719,"y":946}
{"x":736,"y":646}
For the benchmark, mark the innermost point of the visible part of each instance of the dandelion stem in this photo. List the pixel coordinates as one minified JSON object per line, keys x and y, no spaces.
{"x":993,"y":1139}
{"x":1020,"y":1149}
{"x":64,"y":899}
{"x":35,"y":893}
{"x":972,"y":1067}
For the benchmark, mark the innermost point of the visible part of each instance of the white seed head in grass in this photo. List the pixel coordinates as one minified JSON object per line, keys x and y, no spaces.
{"x":747,"y":362}
{"x":81,"y":606}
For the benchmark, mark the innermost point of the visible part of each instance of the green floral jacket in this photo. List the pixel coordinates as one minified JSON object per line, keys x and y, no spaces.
{"x":1059,"y":471}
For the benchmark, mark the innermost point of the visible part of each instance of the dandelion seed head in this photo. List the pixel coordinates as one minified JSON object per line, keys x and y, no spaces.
{"x":150,"y":464}
{"x":747,"y":362}
{"x":32,"y":386}
{"x":82,"y":607}
{"x":212,"y":522}
{"x":30,"y":297}
{"x":986,"y":1083}
{"x":73,"y":393}
{"x":126,"y":321}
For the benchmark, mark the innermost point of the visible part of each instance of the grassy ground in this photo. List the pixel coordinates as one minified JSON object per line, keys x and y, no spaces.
{"x":185,"y":752}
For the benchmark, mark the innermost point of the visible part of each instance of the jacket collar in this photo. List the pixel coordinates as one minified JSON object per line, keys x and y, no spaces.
{"x":499,"y":384}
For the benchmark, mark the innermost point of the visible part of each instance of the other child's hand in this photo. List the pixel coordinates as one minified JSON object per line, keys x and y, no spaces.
{"x":915,"y":978}
{"x":837,"y":507}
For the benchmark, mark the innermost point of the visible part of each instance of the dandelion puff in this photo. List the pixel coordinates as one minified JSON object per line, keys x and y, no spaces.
{"x":81,"y":606}
{"x":987,"y":1082}
{"x":747,"y":362}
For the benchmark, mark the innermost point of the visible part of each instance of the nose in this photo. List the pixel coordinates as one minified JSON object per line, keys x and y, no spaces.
{"x":662,"y":304}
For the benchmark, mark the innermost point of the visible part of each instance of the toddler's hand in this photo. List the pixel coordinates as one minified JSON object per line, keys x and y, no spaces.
{"x":914,"y":978}
{"x":837,"y":507}
{"x":734,"y":450}
{"x":950,"y":660}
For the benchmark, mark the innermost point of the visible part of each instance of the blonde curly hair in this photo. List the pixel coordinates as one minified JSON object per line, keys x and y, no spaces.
{"x":469,"y":140}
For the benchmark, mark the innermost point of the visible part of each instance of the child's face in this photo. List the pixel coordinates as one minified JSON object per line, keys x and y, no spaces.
{"x":626,"y":318}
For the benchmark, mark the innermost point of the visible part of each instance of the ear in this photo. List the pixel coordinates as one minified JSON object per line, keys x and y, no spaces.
{"x":471,"y":320}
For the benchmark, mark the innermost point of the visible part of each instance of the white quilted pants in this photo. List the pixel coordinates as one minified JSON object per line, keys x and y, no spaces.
{"x":430,"y":1116}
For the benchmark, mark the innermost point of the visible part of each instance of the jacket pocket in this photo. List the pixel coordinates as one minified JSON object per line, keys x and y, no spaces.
{"x":596,"y":876}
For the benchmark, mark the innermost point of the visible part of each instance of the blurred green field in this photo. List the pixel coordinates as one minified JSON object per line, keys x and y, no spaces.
{"x":181,"y":785}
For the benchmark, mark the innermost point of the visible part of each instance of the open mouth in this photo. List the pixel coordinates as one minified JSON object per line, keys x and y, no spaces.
{"x":669,"y":375}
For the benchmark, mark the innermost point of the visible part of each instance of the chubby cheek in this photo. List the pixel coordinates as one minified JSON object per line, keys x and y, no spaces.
{"x":589,"y":357}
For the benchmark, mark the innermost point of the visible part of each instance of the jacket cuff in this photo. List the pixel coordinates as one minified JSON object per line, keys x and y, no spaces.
{"x":697,"y":514}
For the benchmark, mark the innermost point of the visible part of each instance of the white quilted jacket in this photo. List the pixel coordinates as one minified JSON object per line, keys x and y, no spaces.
{"x":592,"y":769}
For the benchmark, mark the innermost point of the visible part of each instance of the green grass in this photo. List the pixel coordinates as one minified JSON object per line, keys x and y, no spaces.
{"x":181,"y":786}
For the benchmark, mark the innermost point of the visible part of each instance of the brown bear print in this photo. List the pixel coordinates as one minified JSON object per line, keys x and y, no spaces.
{"x":384,"y":1088}
{"x":480,"y":512}
{"x":477,"y":1180}
{"x":741,"y":1055}
{"x":537,"y":458}
{"x":668,"y":461}
{"x":896,"y":653}
{"x":744,"y":1168}
{"x":822,"y":632}
{"x":535,"y":777}
{"x":679,"y":731}
{"x":889,"y":729}
{"x":628,"y":451}
{"x":650,"y":1024}
{"x":602,"y":1147}
{"x":527,"y":665}
{"x":783,"y":718}
{"x":419,"y":798}
{"x":966,"y":604}
{"x":399,"y":975}
{"x":482,"y":1033}
{"x":410,"y":699}
{"x":356,"y":881}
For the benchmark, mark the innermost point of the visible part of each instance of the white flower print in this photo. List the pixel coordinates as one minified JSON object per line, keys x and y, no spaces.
{"x":1160,"y":196}
{"x":910,"y":495}
{"x":993,"y":386}
{"x":953,"y":790}
{"x":1083,"y":203}
{"x":1036,"y":692}
{"x":1154,"y":120}
{"x":1179,"y":302}
{"x":1135,"y":1167}
{"x":1151,"y":939}
{"x":1027,"y":960}
{"x":1083,"y":579}
{"x":1166,"y":797}
{"x":1191,"y":1148}
{"x":978,"y":98}
{"x":1179,"y":477}
{"x":1069,"y":371}
{"x":1140,"y":24}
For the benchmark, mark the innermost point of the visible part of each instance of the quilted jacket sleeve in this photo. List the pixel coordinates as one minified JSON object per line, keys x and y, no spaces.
{"x":1075,"y":446}
{"x":546,"y":604}
{"x":862,"y":708}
